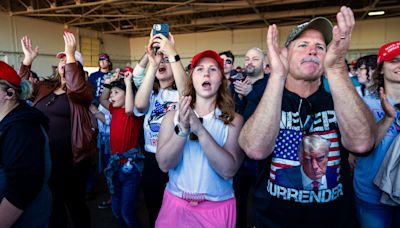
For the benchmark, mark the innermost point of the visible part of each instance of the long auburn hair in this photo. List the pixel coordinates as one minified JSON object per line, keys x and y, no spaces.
{"x":224,"y":99}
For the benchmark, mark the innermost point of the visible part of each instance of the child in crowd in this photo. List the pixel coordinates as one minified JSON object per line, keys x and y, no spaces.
{"x":126,"y":163}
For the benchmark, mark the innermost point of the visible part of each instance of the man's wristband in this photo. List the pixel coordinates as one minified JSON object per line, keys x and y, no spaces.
{"x":173,"y":59}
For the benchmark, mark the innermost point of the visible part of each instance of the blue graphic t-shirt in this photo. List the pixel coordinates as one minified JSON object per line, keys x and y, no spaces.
{"x":96,"y":79}
{"x":367,"y":167}
{"x":288,"y":194}
{"x":161,"y":103}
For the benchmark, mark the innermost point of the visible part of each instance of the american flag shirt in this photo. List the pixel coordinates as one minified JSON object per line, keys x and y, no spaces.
{"x":300,"y":117}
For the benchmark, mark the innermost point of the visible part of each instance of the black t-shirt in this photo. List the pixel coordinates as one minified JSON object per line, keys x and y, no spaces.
{"x":284,"y":197}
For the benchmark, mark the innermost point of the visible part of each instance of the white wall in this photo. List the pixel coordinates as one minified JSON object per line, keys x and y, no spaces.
{"x":48,"y":37}
{"x":368,"y":36}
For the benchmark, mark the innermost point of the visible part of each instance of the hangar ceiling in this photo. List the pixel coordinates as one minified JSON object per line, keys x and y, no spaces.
{"x":135,"y":18}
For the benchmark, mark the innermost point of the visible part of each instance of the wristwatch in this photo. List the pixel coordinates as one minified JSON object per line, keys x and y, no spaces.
{"x":176,"y":58}
{"x":179,"y":131}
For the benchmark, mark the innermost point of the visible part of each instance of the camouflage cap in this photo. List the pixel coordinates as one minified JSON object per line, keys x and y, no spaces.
{"x":321,"y":24}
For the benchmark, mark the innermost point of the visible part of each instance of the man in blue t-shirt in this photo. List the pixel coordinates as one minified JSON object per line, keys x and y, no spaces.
{"x":96,"y":79}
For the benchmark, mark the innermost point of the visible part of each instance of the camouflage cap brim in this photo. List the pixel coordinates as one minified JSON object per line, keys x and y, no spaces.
{"x":321,"y":24}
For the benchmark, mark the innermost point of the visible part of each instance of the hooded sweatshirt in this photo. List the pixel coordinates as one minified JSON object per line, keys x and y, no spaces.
{"x":22,"y":155}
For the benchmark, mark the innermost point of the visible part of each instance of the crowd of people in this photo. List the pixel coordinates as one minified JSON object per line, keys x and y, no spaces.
{"x":294,"y":132}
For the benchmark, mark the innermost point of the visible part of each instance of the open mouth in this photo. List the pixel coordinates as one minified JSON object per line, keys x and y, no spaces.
{"x":162,"y":69}
{"x":206,"y":85}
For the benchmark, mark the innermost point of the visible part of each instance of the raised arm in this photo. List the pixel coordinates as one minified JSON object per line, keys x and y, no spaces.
{"x":78,"y":89}
{"x":142,"y":99}
{"x":105,"y":95}
{"x":30,"y":55}
{"x":167,"y":47}
{"x":356,"y":122}
{"x":258,"y":135}
{"x":129,"y":98}
{"x":138,"y":72}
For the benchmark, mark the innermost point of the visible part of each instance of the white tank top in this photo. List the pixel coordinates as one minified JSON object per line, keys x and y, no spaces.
{"x":194,"y":178}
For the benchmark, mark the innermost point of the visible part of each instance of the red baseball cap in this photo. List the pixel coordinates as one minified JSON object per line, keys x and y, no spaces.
{"x":128,"y":68}
{"x":7,"y":73}
{"x":207,"y":53}
{"x":389,"y":51}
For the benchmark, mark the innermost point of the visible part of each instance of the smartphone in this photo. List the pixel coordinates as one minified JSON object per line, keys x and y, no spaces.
{"x":161,"y":28}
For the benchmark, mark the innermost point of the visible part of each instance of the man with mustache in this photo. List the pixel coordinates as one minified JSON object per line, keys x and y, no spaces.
{"x":296,"y":104}
{"x":247,"y":94}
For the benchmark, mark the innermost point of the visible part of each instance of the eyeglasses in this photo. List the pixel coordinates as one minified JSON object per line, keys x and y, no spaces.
{"x":193,"y":136}
{"x":228,"y":61}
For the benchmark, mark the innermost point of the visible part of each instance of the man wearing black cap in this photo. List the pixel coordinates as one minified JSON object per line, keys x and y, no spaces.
{"x":294,"y":105}
{"x":97,"y":78}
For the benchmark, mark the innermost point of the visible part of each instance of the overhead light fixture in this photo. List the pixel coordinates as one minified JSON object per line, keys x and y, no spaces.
{"x":127,"y":26}
{"x":376,"y":13}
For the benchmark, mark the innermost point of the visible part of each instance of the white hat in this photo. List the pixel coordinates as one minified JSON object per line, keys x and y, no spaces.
{"x":78,"y":56}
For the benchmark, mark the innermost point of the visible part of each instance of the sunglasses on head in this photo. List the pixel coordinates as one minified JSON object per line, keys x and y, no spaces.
{"x":193,"y":136}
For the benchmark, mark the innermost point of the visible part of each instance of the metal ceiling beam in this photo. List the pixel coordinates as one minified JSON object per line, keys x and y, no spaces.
{"x":86,"y":13}
{"x":251,"y":3}
{"x":322,"y":11}
{"x":79,"y":5}
{"x":369,"y":9}
{"x":178,"y":12}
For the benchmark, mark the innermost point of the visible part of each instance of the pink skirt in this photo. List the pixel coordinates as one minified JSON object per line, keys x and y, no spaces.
{"x":177,"y":212}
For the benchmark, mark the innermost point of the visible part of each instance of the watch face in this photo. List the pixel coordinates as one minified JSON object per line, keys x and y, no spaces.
{"x":177,"y":130}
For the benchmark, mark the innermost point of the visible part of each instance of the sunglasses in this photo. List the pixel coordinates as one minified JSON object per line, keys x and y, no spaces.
{"x":306,"y":106}
{"x":228,"y":61}
{"x":193,"y":136}
{"x":154,"y":127}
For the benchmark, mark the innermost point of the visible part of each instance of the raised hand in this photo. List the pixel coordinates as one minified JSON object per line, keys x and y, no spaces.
{"x":30,"y":53}
{"x":114,"y":77}
{"x":277,"y":57}
{"x":70,"y":46}
{"x":154,"y":57}
{"x":167,"y":45}
{"x":128,"y":77}
{"x":386,"y":106}
{"x":185,"y":112}
{"x":337,"y":50}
